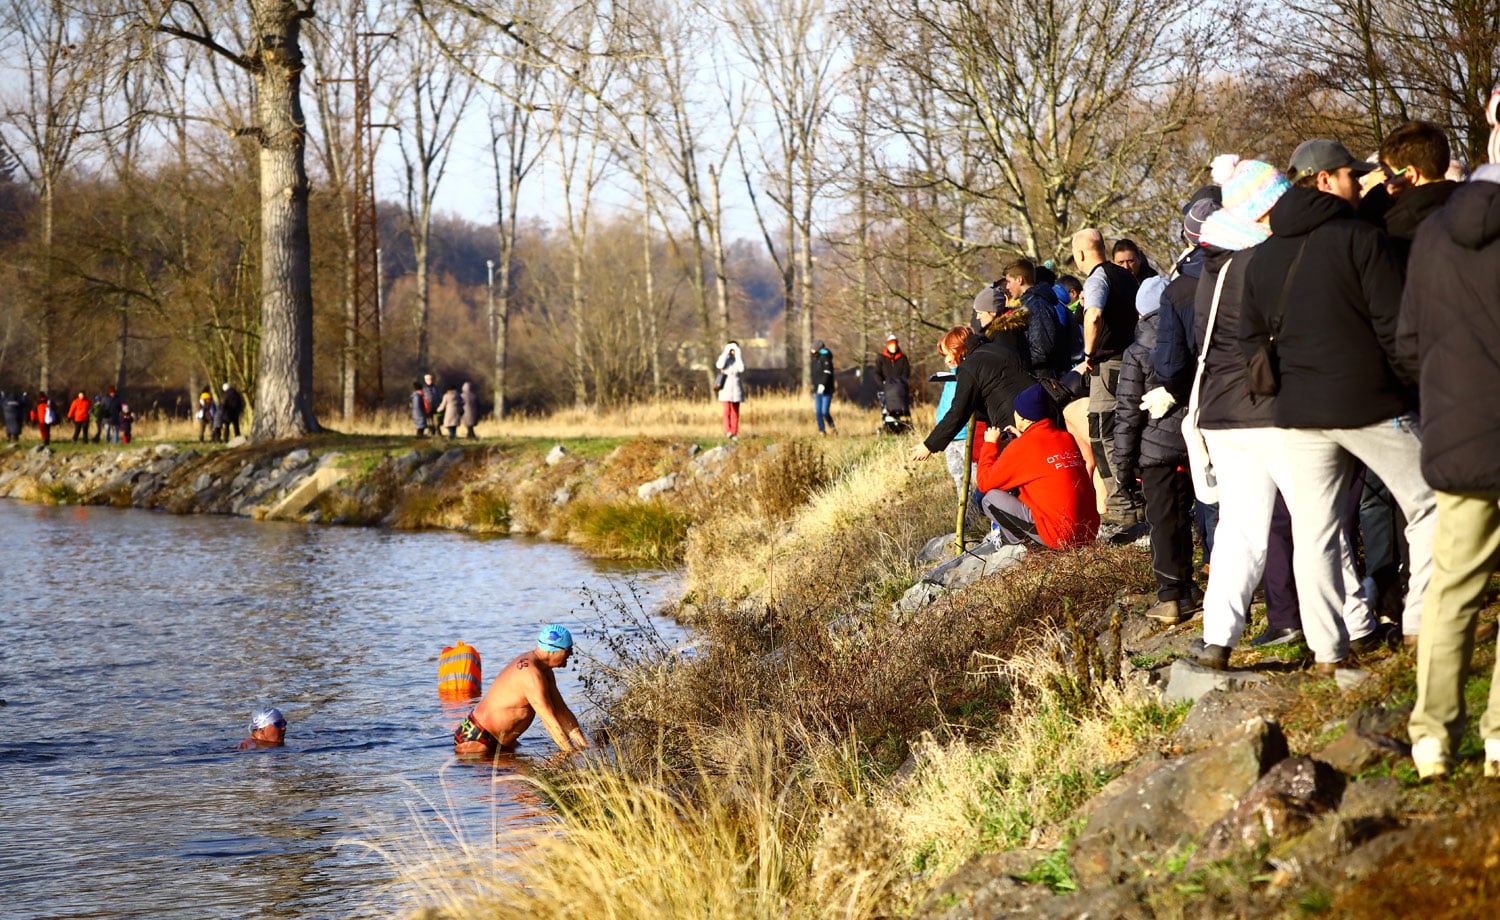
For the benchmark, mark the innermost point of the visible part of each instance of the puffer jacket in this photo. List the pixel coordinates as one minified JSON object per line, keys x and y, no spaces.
{"x":1337,"y":341}
{"x":1449,"y":336}
{"x":1175,"y":356}
{"x":822,"y":370}
{"x":989,"y":377}
{"x":1047,"y":347}
{"x":418,"y":409}
{"x":1142,"y":441}
{"x":893,"y":375}
{"x":732,"y":363}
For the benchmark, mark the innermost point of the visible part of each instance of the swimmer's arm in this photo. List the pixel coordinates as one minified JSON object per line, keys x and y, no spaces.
{"x":559,"y":720}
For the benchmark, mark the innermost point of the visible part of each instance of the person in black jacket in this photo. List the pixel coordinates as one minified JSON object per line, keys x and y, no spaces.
{"x":893,"y":377}
{"x":1047,"y":345}
{"x":1449,"y":337}
{"x":233,"y":407}
{"x":14,"y":406}
{"x":1153,"y":450}
{"x":990,"y":374}
{"x":1411,"y":183}
{"x":1327,"y":287}
{"x":822,"y":384}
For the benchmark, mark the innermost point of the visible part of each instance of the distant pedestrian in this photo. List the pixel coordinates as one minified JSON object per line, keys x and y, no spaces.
{"x":418,"y":409}
{"x":78,"y":414}
{"x":731,"y":365}
{"x":112,"y":416}
{"x":127,"y":421}
{"x":893,"y":380}
{"x":234,"y":407}
{"x":471,"y":408}
{"x":206,"y":409}
{"x":453,"y":412}
{"x":430,"y":400}
{"x":45,"y":417}
{"x":99,"y":416}
{"x":14,"y":408}
{"x":822,"y":384}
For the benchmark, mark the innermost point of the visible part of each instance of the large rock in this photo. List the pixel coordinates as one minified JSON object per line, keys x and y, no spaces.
{"x":655,"y":487}
{"x":1190,"y":680}
{"x":1370,"y":736}
{"x":974,"y":564}
{"x":556,"y":455}
{"x":1131,"y":832}
{"x":296,"y":458}
{"x":1281,"y":805}
{"x":918,"y":596}
{"x":988,"y":886}
{"x":1218,"y":712}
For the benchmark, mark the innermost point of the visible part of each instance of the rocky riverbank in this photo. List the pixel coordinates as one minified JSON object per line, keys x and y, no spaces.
{"x":521,"y":486}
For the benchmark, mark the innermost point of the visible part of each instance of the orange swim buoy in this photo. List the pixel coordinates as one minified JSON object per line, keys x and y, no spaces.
{"x":459,"y":673}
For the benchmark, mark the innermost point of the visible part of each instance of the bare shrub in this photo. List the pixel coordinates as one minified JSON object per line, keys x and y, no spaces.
{"x":785,"y":478}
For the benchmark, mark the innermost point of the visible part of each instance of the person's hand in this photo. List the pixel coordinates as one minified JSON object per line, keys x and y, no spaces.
{"x":820,"y":389}
{"x":920,"y":454}
{"x":1158,"y":402}
{"x":1084,"y":367}
{"x":1126,"y":478}
{"x":992,"y":435}
{"x":1012,"y":431}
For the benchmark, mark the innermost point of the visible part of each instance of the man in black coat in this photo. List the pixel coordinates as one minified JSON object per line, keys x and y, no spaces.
{"x":1327,"y":288}
{"x":233,"y":407}
{"x":1450,"y":338}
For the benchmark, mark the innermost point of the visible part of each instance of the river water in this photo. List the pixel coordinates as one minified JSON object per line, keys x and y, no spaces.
{"x":134,"y":645}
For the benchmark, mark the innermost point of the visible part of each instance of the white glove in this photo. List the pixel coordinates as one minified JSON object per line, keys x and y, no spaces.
{"x":820,"y":389}
{"x":1158,"y":402}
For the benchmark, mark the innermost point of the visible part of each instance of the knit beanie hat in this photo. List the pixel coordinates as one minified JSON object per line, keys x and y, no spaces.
{"x":1033,"y":403}
{"x":1194,"y":216}
{"x":1251,"y":190}
{"x":990,"y":300}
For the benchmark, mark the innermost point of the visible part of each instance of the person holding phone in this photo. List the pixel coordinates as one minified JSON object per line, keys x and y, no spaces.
{"x":1036,"y":488}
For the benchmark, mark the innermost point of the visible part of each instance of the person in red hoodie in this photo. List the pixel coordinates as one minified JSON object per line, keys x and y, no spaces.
{"x":1036,"y":487}
{"x":45,"y":418}
{"x":78,"y":414}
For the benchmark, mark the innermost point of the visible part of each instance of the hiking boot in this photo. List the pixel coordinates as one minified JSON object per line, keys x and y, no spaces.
{"x":1276,"y":637}
{"x":1329,"y":668}
{"x":1210,"y":656}
{"x":1167,"y":613}
{"x":1374,"y":642}
{"x":1492,"y":758}
{"x":1431,"y":763}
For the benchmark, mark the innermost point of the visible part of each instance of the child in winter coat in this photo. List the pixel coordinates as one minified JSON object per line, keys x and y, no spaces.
{"x":127,"y":421}
{"x":1153,"y":451}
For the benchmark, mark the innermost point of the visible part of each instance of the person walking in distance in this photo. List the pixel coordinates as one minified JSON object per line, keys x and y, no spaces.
{"x":822,"y":384}
{"x":732,"y":365}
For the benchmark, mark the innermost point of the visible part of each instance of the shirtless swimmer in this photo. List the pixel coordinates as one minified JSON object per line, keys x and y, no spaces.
{"x":524,"y":689}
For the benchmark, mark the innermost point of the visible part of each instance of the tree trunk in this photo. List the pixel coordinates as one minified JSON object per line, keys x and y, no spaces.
{"x":283,"y":401}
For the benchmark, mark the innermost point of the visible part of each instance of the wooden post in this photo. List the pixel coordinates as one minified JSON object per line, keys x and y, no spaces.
{"x":963,"y":502}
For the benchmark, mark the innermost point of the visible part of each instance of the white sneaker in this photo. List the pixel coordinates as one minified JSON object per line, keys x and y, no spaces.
{"x":1492,"y":757}
{"x":1429,"y":758}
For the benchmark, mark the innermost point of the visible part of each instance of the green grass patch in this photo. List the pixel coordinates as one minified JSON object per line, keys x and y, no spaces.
{"x":1054,"y":872}
{"x":56,"y":493}
{"x":644,"y":531}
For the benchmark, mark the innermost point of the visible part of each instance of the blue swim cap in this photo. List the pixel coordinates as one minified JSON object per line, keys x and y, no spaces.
{"x":554,"y":638}
{"x":264,"y":718}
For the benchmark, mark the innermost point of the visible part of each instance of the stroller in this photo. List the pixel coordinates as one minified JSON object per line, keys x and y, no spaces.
{"x":895,"y":408}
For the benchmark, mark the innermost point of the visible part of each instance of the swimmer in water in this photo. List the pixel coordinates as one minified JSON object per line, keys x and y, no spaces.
{"x":267,"y":729}
{"x":524,"y":689}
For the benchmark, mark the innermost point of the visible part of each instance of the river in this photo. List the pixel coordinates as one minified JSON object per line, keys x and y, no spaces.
{"x":134,"y":645}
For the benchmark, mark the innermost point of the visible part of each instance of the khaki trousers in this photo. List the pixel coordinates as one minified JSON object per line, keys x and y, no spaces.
{"x":1465,"y":550}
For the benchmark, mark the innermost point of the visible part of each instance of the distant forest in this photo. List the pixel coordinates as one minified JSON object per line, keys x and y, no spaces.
{"x":185,"y":189}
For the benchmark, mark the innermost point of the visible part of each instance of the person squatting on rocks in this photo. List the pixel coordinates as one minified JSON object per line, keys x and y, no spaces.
{"x":731,"y":364}
{"x":524,"y":689}
{"x":822,"y":384}
{"x":1035,"y":487}
{"x":1448,"y":339}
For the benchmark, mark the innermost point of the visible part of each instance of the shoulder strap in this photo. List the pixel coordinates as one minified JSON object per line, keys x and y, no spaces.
{"x":1286,"y":288}
{"x":1208,"y":333}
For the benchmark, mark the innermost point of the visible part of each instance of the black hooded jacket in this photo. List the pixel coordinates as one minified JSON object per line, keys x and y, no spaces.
{"x":1142,"y":441}
{"x":1450,"y":337}
{"x":1175,"y":355}
{"x":989,"y":377}
{"x":1337,"y":341}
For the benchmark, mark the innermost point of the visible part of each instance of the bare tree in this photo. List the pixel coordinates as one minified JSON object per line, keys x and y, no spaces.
{"x":284,"y":399}
{"x":795,"y":51}
{"x":433,"y":99}
{"x":43,"y":122}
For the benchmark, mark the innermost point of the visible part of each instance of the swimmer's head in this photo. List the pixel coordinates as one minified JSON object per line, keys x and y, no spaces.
{"x":554,"y":638}
{"x":267,"y":724}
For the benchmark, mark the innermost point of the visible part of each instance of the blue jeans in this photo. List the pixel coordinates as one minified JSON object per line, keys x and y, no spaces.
{"x":823,"y":405}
